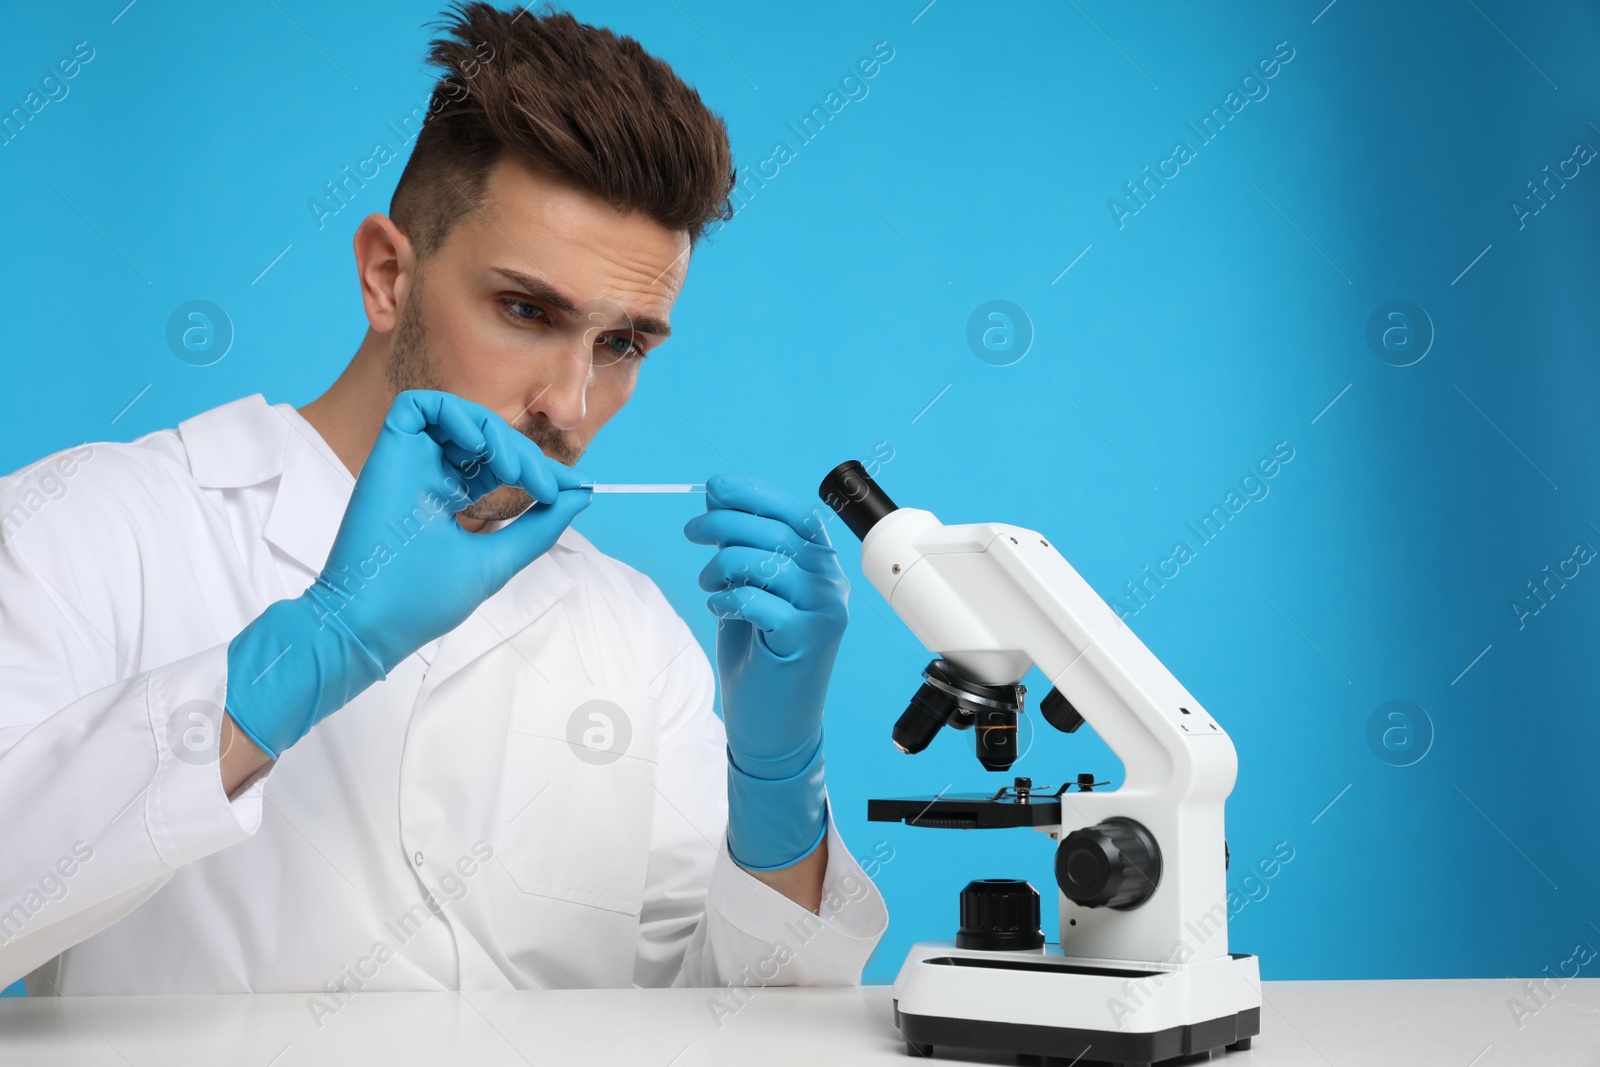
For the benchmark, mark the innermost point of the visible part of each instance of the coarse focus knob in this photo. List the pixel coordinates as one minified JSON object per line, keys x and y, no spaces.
{"x":999,"y":915}
{"x":1114,"y":864}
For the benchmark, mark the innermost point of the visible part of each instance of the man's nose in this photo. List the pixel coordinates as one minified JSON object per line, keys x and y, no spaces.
{"x":565,"y":397}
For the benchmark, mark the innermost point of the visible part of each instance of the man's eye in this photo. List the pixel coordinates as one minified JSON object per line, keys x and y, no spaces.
{"x":621,"y":345}
{"x":523,"y":310}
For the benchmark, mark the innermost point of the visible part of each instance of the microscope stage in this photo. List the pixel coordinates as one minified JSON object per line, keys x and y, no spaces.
{"x":967,"y":811}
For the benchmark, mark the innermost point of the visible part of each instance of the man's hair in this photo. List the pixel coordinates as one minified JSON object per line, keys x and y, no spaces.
{"x":590,"y":108}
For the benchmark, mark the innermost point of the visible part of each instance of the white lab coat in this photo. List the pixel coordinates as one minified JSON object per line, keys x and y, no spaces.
{"x":125,"y":571}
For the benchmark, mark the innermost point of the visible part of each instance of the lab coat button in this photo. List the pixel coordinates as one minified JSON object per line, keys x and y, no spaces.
{"x":418,"y":859}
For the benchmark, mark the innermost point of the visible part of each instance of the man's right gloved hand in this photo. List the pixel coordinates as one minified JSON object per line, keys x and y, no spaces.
{"x":402,"y":570}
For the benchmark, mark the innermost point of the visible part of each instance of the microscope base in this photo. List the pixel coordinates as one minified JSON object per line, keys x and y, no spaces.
{"x":1088,"y":1011}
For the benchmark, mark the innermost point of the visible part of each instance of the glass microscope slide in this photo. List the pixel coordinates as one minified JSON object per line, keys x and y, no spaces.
{"x":648,"y":487}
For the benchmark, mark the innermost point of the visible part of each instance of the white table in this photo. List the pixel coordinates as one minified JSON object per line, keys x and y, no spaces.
{"x":1453,"y":1024}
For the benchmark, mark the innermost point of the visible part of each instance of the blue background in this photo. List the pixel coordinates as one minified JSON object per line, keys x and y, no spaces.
{"x":1228,"y":314}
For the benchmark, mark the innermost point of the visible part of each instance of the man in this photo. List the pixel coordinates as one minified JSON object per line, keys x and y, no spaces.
{"x":334,"y":699}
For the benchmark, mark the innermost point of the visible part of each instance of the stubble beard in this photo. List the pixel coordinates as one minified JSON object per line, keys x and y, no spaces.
{"x":411,"y":367}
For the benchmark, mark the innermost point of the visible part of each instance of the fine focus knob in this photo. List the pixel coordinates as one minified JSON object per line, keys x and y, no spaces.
{"x":999,"y":915}
{"x":1115,"y":864}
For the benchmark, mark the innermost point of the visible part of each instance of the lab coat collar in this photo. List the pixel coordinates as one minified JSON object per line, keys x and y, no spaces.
{"x":248,"y":441}
{"x":238,"y":444}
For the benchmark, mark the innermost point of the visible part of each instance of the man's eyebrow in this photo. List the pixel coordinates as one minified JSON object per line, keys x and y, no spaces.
{"x":542,"y":289}
{"x":539,"y":288}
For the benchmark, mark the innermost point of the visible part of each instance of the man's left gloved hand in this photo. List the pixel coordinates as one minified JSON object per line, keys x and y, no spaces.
{"x":780,"y":595}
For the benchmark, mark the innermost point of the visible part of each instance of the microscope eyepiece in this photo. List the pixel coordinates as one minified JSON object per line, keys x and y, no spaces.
{"x":850,"y":491}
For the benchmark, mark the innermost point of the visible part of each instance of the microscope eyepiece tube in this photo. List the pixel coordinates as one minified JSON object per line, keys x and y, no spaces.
{"x":850,"y":491}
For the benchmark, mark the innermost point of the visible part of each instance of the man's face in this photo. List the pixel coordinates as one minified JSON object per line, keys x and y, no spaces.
{"x":539,"y":305}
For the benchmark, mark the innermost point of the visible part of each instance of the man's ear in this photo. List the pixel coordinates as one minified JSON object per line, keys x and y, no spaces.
{"x":386,"y":266}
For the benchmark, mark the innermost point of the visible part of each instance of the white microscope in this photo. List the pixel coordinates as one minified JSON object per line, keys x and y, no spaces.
{"x":1142,"y":973}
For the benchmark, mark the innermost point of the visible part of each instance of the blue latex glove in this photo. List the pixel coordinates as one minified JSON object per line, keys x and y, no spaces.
{"x":779,"y":595}
{"x":402,"y":570}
